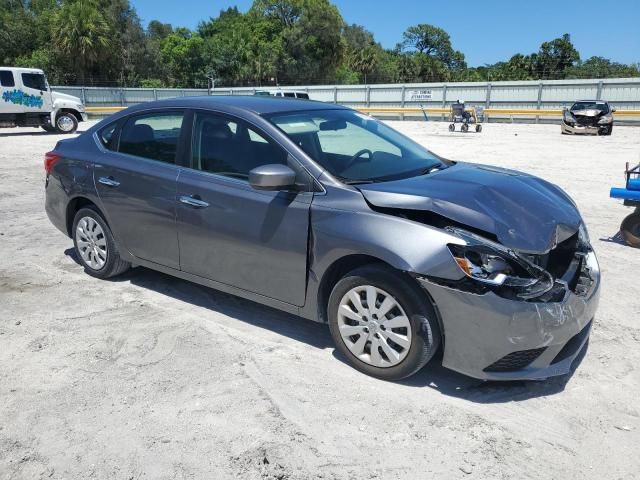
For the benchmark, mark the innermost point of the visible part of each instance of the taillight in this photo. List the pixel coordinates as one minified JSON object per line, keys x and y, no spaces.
{"x":50,"y":159}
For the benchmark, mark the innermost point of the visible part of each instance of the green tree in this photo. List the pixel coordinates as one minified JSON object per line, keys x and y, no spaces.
{"x":81,"y":32}
{"x":182,"y":55}
{"x":434,"y":42}
{"x":555,"y":57}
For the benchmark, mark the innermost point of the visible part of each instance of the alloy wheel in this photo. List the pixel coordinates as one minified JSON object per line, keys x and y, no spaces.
{"x":374,"y":327}
{"x":91,"y":242}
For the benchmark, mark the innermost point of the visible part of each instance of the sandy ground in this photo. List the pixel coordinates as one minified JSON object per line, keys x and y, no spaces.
{"x":148,"y":376}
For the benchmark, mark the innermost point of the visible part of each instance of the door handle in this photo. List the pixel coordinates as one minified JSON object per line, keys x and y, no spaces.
{"x":192,"y":201}
{"x":108,"y":181}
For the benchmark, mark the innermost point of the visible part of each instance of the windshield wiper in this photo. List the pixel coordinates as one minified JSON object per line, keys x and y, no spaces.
{"x":359,"y":182}
{"x":430,"y":169}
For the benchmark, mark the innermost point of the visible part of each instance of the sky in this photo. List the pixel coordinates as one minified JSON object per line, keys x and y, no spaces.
{"x":486,"y":31}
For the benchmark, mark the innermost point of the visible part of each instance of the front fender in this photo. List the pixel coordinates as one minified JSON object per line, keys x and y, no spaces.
{"x":343,"y":225}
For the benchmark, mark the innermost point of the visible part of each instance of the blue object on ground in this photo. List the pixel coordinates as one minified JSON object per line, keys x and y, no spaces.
{"x":625,"y":194}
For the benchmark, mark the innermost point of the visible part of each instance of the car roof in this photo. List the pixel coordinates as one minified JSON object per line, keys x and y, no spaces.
{"x":261,"y":105}
{"x":591,"y":101}
{"x":22,"y":69}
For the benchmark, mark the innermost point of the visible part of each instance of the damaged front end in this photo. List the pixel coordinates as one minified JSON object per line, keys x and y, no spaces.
{"x":517,"y":315}
{"x":587,"y":121}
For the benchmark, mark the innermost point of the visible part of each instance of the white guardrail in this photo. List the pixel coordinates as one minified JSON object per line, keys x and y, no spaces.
{"x":500,"y":101}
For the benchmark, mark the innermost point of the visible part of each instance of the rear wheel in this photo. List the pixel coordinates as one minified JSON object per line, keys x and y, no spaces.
{"x":452,"y":127}
{"x":66,"y":122}
{"x":630,"y":229}
{"x":383,"y":323}
{"x":478,"y":128}
{"x":95,"y":246}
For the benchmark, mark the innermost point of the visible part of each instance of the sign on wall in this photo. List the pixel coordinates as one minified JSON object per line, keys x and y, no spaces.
{"x":418,"y":95}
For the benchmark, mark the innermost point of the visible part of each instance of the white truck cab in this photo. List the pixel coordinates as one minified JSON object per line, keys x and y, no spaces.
{"x":283,"y":93}
{"x":27,"y":101}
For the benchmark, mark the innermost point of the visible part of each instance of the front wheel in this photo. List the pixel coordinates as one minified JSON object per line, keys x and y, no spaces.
{"x":383,"y":323}
{"x":630,"y":229}
{"x":66,"y":122}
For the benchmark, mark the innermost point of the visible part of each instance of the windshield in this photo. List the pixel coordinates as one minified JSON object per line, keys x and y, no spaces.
{"x":602,"y":107}
{"x":354,"y":147}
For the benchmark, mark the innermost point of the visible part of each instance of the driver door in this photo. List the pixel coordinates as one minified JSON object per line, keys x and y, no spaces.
{"x":228,"y":231}
{"x":36,"y":97}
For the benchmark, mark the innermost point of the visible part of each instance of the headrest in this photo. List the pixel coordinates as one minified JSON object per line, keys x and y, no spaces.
{"x":216,"y":129}
{"x":139,"y":133}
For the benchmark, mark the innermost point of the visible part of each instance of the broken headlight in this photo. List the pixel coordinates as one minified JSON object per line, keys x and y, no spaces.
{"x":499,"y":269}
{"x":608,"y":118}
{"x":568,"y":117}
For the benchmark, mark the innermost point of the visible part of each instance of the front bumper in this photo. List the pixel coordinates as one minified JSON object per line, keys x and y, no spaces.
{"x":493,"y":338}
{"x":84,"y":116}
{"x":583,"y":130}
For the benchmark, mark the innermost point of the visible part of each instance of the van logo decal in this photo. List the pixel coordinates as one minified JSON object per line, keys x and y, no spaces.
{"x":20,"y":98}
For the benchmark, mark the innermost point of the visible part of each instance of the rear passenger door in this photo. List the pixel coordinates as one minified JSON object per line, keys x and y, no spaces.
{"x":232,"y":233}
{"x":11,"y":101}
{"x":136,"y":177}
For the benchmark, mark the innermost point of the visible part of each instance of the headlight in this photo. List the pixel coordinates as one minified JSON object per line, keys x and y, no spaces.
{"x":568,"y":117}
{"x":80,"y":107}
{"x":498,"y":268}
{"x":608,"y":118}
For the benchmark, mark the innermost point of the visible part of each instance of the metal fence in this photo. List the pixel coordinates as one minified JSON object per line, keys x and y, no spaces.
{"x":502,"y":100}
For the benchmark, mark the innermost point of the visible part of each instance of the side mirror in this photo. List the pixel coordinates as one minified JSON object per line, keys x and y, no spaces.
{"x":272,"y":177}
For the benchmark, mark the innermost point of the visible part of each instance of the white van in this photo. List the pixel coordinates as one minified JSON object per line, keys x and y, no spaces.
{"x":283,"y":93}
{"x":27,"y":101}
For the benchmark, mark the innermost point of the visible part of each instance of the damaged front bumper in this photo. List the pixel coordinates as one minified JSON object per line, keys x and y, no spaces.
{"x":493,"y":338}
{"x":583,"y":129}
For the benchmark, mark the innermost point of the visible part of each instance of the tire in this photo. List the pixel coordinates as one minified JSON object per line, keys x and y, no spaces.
{"x":630,"y":229}
{"x":452,"y":127}
{"x":465,"y":127}
{"x":413,"y":310}
{"x":608,"y":130}
{"x":107,"y":263}
{"x":66,"y":122}
{"x":478,"y":128}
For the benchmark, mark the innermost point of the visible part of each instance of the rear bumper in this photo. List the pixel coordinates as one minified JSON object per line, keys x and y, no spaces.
{"x":493,"y":338}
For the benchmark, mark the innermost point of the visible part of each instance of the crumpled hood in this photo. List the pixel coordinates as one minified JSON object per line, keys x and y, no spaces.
{"x":587,"y":113}
{"x":524,"y":212}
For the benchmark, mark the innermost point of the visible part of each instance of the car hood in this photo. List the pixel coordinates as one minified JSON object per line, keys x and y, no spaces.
{"x":524,"y":212}
{"x":587,"y":113}
{"x":65,"y":97}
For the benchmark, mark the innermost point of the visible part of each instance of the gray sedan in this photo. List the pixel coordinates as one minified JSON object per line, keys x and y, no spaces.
{"x":326,"y":213}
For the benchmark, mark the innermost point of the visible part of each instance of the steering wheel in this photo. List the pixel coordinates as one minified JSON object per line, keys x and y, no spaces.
{"x":358,"y":154}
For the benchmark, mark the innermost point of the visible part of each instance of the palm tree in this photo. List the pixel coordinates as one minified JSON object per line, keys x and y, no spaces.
{"x":81,"y":32}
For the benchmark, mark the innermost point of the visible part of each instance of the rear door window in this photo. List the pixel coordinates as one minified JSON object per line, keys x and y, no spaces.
{"x":154,"y":136}
{"x":108,"y":136}
{"x":6,"y":78}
